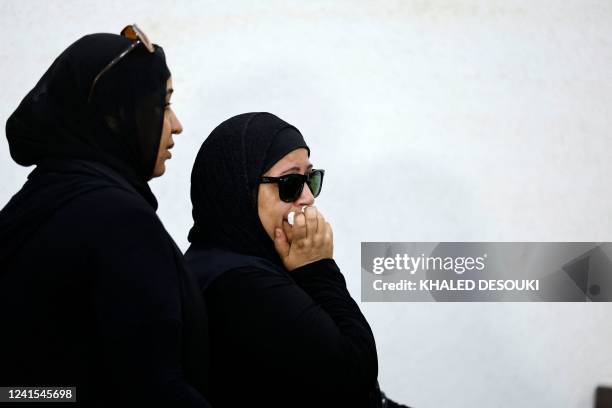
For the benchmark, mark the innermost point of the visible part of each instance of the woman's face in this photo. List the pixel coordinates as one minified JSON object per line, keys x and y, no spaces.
{"x":171,"y":126}
{"x":272,"y":210}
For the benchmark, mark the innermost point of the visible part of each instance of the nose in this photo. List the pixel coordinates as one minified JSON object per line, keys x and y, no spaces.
{"x":306,"y":198}
{"x":177,"y":126}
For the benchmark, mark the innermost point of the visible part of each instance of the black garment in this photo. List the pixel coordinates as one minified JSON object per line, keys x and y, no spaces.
{"x":283,"y":142}
{"x":93,"y":292}
{"x":98,"y":298}
{"x":277,"y":338}
{"x":120,"y":127}
{"x":283,"y":339}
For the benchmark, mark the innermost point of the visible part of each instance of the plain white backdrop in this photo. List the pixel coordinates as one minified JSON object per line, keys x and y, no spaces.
{"x":435,"y":121}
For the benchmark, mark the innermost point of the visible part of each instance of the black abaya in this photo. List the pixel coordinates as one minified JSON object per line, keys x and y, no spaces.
{"x":112,"y":319}
{"x":283,"y":339}
{"x":278,"y":338}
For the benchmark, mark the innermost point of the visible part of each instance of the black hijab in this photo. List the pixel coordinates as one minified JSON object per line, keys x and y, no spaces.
{"x":120,"y":127}
{"x":117,"y":133}
{"x":225,"y":181}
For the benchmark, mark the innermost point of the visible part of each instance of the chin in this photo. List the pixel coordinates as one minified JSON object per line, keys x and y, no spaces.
{"x":159,"y":171}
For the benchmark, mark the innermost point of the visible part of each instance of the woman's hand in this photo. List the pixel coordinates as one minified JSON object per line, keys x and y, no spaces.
{"x":310,"y":239}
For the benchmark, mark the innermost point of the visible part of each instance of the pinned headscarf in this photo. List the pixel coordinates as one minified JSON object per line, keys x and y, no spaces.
{"x":225,"y":181}
{"x":121,"y":125}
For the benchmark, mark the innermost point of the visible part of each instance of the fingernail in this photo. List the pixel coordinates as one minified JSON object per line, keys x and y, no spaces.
{"x":278,"y":233}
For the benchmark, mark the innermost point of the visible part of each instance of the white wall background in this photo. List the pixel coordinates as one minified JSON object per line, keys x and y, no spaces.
{"x":435,"y":120}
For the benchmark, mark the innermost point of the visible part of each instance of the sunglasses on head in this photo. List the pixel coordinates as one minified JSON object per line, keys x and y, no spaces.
{"x":133,"y":33}
{"x":290,"y":186}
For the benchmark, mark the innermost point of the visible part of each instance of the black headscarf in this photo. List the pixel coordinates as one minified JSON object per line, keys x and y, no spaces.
{"x":56,"y":128}
{"x":120,"y":127}
{"x":225,"y":181}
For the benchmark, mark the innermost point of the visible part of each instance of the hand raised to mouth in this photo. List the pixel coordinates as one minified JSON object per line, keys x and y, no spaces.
{"x":291,"y":216}
{"x":310,"y":239}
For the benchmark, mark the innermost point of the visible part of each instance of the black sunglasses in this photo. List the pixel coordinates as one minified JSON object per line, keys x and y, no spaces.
{"x":290,"y":187}
{"x":133,"y":33}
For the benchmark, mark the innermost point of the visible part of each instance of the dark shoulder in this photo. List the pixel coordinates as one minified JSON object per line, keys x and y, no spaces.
{"x":111,"y":208}
{"x":222,"y":268}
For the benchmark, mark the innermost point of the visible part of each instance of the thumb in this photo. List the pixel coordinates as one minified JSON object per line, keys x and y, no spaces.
{"x":280,"y":243}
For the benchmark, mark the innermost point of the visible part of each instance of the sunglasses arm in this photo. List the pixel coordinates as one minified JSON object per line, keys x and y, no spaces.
{"x":110,"y":65}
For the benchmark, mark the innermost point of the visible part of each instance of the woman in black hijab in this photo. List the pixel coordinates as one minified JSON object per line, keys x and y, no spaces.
{"x":93,"y":291}
{"x":284,"y":330}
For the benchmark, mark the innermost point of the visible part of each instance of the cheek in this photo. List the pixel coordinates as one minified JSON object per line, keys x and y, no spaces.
{"x":271,"y":209}
{"x":166,"y":129}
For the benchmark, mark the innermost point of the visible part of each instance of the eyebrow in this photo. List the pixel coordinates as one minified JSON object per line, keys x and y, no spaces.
{"x":293,"y":169}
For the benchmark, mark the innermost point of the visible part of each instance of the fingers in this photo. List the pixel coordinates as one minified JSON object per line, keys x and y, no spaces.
{"x":314,"y":221}
{"x":299,"y":231}
{"x":288,"y":230}
{"x":327,"y":240}
{"x":280,"y":243}
{"x":308,"y":240}
{"x":321,"y":225}
{"x":329,"y":233}
{"x":312,"y":224}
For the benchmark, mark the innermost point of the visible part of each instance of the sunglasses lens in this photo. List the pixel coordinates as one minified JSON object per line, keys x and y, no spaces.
{"x":315,"y":182}
{"x":290,"y":187}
